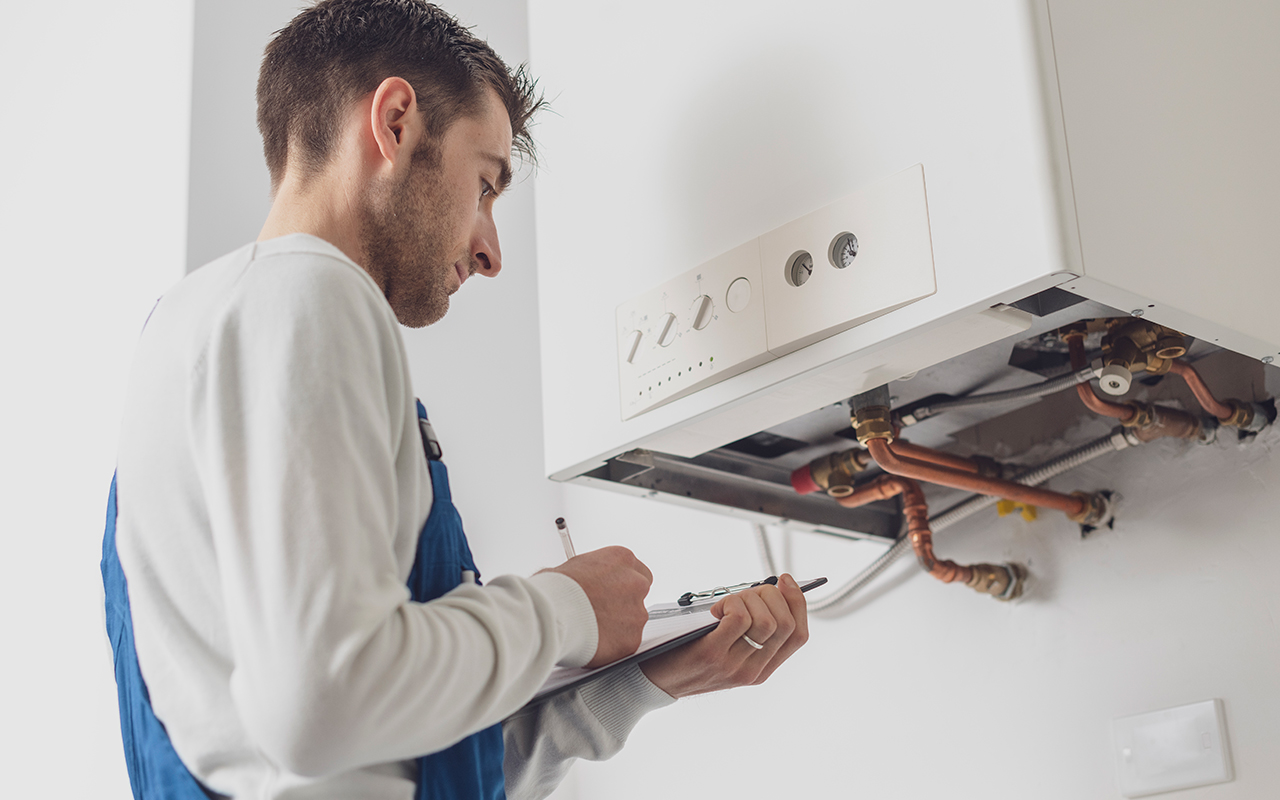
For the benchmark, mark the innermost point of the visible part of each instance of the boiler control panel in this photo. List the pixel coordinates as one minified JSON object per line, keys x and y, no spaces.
{"x":694,"y":330}
{"x":851,"y":261}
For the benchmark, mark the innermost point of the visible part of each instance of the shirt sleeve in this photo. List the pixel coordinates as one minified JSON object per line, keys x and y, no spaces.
{"x":592,"y":722}
{"x":297,"y":410}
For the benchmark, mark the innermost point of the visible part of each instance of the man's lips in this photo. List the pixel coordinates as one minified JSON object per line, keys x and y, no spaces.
{"x":463,"y":273}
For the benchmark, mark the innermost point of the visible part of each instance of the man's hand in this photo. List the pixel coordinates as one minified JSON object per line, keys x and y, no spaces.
{"x":616,"y":583}
{"x":774,"y":616}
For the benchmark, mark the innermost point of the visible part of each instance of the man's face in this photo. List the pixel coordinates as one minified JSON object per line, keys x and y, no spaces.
{"x":428,"y":232}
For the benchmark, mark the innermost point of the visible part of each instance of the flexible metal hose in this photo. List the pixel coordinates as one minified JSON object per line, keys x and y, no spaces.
{"x":827,"y":606}
{"x":766,"y":552}
{"x":973,"y":401}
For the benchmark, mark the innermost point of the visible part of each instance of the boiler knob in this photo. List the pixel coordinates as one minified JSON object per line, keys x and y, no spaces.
{"x":667,"y":329}
{"x":632,"y":345}
{"x":1115,"y":380}
{"x":702,"y":309}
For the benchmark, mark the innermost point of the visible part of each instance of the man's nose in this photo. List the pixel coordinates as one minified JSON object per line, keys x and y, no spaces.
{"x":485,"y":249}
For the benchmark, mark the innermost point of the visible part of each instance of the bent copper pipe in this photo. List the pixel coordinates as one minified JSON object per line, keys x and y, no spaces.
{"x":934,"y":456}
{"x":917,"y":514}
{"x":1085,"y":390}
{"x":895,"y":464}
{"x":882,"y":488}
{"x":1201,"y":390}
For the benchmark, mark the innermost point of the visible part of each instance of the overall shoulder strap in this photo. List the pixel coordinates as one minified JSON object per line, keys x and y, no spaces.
{"x":155,"y":771}
{"x":429,"y":441}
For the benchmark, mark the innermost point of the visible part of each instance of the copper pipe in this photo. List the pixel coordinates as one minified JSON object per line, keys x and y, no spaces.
{"x":1198,"y":387}
{"x":882,"y":488}
{"x":934,"y":456}
{"x":1126,"y":414}
{"x":834,"y":472}
{"x":1002,"y":581}
{"x":892,"y":463}
{"x":917,"y":514}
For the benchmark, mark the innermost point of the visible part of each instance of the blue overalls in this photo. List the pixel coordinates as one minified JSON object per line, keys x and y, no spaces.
{"x":471,"y":769}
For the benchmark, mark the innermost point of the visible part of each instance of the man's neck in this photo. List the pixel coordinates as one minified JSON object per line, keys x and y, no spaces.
{"x":326,"y":207}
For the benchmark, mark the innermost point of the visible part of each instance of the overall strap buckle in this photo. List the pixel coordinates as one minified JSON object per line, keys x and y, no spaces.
{"x":430,"y":442}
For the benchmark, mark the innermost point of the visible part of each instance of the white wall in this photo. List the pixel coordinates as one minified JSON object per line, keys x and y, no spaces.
{"x":92,"y":216}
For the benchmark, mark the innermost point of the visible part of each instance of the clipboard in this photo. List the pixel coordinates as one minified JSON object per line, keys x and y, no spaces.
{"x":670,"y":626}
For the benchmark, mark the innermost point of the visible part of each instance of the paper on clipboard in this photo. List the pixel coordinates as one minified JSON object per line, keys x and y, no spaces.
{"x":670,"y":625}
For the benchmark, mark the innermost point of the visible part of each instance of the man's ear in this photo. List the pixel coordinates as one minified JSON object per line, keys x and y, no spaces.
{"x":394,"y":120}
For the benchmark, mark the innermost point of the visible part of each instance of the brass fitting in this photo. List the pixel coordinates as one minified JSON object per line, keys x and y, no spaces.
{"x":1170,"y":346}
{"x":1141,"y":346}
{"x":1002,"y":581}
{"x":1144,"y":414}
{"x":1241,"y":414}
{"x":1169,"y":423}
{"x":1095,"y":510}
{"x":873,"y":422}
{"x":1124,"y":353}
{"x":834,"y":472}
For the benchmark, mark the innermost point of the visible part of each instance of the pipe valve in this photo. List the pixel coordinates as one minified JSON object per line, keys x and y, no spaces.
{"x":1096,"y":511}
{"x":1115,"y":380}
{"x":832,"y":473}
{"x":1002,"y":581}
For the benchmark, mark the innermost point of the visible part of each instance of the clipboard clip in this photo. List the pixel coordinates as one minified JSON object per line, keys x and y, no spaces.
{"x":688,"y":598}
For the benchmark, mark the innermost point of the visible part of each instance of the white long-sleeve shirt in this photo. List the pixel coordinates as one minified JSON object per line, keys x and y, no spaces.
{"x":272,"y":486}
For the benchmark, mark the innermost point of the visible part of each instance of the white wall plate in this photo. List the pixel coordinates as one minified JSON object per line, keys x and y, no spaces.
{"x":1176,"y":748}
{"x":829,"y":291}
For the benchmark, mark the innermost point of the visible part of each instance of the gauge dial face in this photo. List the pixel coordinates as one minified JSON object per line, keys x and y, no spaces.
{"x":844,"y":248}
{"x":800,"y":268}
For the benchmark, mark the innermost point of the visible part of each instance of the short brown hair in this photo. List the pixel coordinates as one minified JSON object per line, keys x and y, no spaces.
{"x":340,"y":50}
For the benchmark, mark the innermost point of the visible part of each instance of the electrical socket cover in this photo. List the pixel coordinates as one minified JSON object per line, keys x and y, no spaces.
{"x":1176,"y":748}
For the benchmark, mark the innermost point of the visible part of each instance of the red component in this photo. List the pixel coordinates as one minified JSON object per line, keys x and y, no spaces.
{"x":802,"y":481}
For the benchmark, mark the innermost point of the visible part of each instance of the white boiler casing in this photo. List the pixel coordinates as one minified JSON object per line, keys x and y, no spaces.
{"x":1122,"y":151}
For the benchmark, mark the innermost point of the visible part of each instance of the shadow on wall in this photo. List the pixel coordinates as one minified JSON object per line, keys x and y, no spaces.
{"x":229,"y":192}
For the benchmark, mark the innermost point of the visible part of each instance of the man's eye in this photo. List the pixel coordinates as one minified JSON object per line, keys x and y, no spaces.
{"x":486,"y":189}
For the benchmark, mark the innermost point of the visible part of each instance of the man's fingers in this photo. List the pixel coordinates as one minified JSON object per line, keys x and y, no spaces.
{"x":721,"y":660}
{"x":798,"y":604}
{"x":790,"y":590}
{"x":717,"y":610}
{"x":644,"y":570}
{"x":734,"y":621}
{"x":615,"y":582}
{"x":780,"y":611}
{"x":763,"y":625}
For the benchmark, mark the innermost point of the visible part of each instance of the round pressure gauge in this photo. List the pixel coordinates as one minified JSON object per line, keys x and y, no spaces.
{"x":844,"y":248}
{"x":799,"y":268}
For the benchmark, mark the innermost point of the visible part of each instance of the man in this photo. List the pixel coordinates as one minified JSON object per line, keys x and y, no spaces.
{"x":300,"y":597}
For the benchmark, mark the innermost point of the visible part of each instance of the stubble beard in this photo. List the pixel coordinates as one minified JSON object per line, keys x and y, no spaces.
{"x":406,"y":248}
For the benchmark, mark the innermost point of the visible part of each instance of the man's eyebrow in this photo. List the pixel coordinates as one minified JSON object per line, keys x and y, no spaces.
{"x":504,"y":170}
